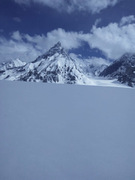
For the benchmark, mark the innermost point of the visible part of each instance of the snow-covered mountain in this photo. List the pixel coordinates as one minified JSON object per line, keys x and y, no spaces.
{"x":94,"y":69}
{"x":53,"y":66}
{"x":9,"y":70}
{"x":11,"y":64}
{"x":56,"y":66}
{"x":92,"y":66}
{"x":122,"y":69}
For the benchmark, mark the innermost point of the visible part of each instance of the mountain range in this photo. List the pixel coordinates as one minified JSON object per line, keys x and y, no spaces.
{"x":56,"y":66}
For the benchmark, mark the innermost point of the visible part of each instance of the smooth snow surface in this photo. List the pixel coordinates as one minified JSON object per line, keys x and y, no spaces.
{"x":65,"y":132}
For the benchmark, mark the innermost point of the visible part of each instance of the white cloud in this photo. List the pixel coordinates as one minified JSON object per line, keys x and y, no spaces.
{"x":16,"y":36}
{"x":16,"y":47}
{"x":69,"y":40}
{"x":97,"y":22}
{"x":90,"y":60}
{"x":113,"y":40}
{"x":97,"y":61}
{"x":28,"y":47}
{"x":93,"y":6}
{"x":127,"y":20}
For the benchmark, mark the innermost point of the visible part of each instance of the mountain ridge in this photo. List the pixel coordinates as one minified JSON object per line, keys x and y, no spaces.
{"x":56,"y":66}
{"x":122,"y":69}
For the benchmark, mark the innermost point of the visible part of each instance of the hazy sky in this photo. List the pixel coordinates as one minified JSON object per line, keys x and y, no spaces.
{"x":88,"y":27}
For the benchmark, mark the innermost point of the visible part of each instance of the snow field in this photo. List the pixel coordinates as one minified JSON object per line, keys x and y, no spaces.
{"x":62,"y":132}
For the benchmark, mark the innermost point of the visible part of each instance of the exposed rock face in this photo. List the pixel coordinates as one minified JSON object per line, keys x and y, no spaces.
{"x":123,"y":70}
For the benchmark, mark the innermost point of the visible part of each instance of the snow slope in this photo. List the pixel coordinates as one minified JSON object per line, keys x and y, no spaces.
{"x":11,"y":64}
{"x":64,"y":132}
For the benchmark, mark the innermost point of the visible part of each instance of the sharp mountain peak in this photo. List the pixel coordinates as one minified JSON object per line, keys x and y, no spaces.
{"x":56,"y":49}
{"x":57,"y":66}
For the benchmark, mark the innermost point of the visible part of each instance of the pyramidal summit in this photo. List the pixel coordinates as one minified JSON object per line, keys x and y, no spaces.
{"x":56,"y":66}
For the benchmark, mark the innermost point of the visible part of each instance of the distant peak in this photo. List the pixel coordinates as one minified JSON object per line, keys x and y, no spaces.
{"x":127,"y":57}
{"x":57,"y":46}
{"x":58,"y":43}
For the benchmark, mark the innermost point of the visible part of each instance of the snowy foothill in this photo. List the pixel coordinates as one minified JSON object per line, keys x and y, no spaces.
{"x":66,"y":132}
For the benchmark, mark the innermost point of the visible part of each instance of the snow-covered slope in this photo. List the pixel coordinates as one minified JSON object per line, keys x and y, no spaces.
{"x":10,"y":70}
{"x":55,"y":66}
{"x":12,"y":64}
{"x":122,"y":69}
{"x":62,"y":132}
{"x":93,"y":69}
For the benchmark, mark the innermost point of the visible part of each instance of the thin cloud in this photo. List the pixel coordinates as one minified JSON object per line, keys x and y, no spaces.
{"x":97,"y":22}
{"x":90,"y":60}
{"x":93,"y":6}
{"x":16,"y":36}
{"x":17,"y":19}
{"x":1,"y":30}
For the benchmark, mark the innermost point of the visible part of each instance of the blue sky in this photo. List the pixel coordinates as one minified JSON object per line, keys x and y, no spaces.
{"x":92,"y":28}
